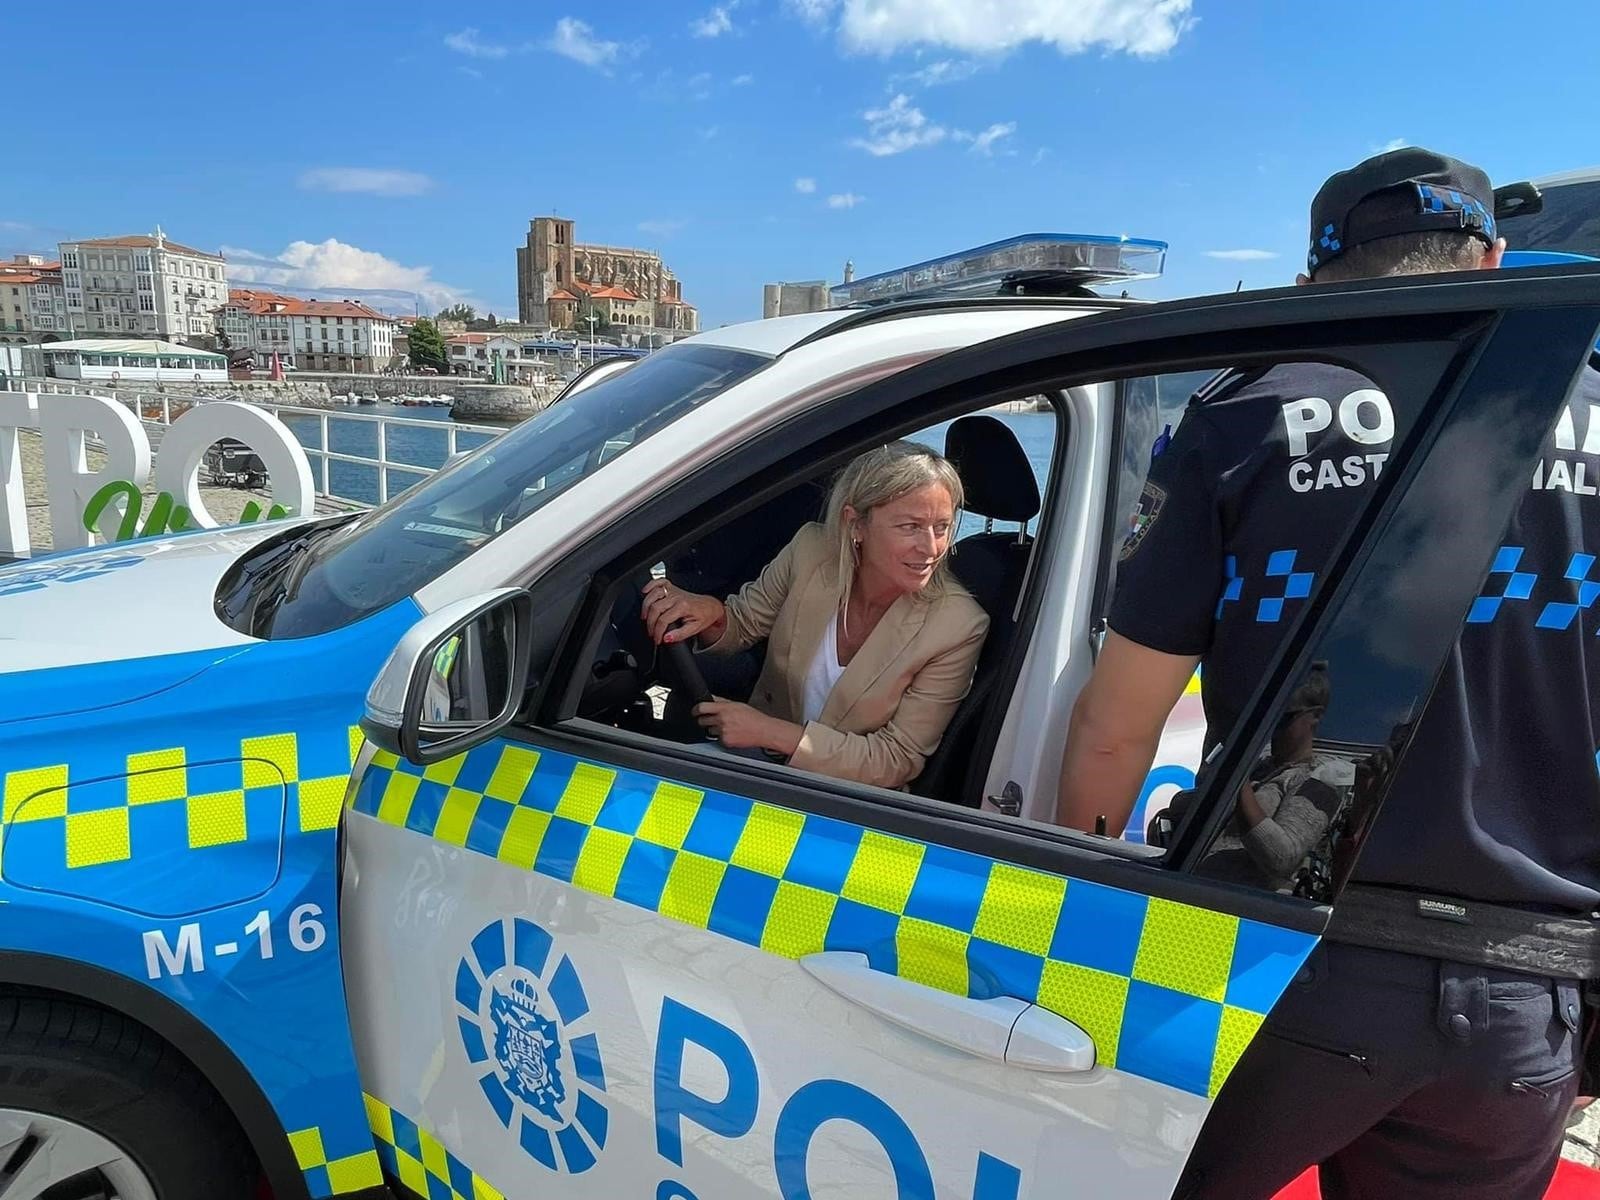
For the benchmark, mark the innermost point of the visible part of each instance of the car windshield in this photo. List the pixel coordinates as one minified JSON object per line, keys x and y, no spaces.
{"x":417,"y":536}
{"x":1568,"y":222}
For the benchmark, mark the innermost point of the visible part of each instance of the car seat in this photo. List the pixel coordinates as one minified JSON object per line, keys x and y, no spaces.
{"x":1000,"y":486}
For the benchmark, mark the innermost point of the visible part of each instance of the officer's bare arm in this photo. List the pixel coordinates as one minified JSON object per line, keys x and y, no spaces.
{"x":1116,"y":727}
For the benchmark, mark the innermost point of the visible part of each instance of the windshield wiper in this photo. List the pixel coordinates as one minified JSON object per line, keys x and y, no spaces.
{"x":239,"y":602}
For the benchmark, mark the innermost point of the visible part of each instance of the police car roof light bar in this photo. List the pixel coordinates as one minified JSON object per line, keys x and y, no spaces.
{"x":1033,"y":264}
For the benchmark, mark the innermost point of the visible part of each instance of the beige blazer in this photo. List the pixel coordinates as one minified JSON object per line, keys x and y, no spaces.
{"x":889,"y":708}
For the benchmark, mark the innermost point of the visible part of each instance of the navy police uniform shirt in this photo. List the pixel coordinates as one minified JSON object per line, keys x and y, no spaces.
{"x":1498,"y":796}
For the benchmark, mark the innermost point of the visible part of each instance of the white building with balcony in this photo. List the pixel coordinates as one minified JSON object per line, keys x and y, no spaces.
{"x":141,"y":286}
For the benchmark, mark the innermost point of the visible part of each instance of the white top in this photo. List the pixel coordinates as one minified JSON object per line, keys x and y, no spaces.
{"x":824,"y":673}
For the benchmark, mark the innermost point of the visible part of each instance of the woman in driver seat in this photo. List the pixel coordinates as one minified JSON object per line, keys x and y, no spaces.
{"x":871,"y":642}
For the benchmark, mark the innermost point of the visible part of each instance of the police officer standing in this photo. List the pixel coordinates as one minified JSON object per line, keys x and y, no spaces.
{"x":1427,"y":1048}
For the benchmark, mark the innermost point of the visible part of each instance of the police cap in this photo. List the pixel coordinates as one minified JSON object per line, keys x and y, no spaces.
{"x":1411,"y":190}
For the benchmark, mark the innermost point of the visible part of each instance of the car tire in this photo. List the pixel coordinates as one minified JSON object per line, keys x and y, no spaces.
{"x":74,"y":1071}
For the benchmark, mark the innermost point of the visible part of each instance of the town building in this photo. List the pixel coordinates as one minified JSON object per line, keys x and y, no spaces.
{"x":142,"y":284}
{"x":552,"y":262}
{"x":33,"y":305}
{"x":340,"y":335}
{"x":790,"y":299}
{"x":310,"y":335}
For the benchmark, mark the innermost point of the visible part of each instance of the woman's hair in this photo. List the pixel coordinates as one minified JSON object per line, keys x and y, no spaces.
{"x":878,"y":477}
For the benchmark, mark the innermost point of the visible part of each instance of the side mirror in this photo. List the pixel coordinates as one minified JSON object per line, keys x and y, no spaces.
{"x":455,"y":680}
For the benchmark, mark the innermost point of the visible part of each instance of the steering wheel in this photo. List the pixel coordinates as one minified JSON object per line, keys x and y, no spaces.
{"x":679,"y":661}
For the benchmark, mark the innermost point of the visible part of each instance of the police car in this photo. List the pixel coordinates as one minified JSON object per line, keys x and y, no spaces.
{"x":564,"y":949}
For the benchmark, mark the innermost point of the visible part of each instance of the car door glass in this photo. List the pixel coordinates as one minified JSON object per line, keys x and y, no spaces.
{"x":1369,"y":670}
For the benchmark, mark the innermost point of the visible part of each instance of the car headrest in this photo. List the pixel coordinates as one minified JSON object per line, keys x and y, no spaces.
{"x":995,"y":473}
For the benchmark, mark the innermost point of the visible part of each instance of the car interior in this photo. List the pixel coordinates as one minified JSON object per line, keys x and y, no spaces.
{"x":636,"y":687}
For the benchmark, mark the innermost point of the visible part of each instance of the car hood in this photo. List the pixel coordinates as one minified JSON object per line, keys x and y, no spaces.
{"x":137,"y":617}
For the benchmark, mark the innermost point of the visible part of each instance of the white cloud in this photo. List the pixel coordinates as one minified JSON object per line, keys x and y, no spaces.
{"x":331,"y":265}
{"x":367,"y":180}
{"x":1242,"y":255}
{"x":814,"y":12}
{"x":946,"y":70}
{"x":844,"y":200}
{"x":576,"y":40}
{"x":708,"y":132}
{"x":1039,"y":155}
{"x":700,"y":85}
{"x":1392,"y":144}
{"x":715,"y":23}
{"x":469,"y":43}
{"x":983,"y":143}
{"x":1147,"y":28}
{"x":661,"y":226}
{"x":898,"y":127}
{"x":743,"y":80}
{"x":805,"y":185}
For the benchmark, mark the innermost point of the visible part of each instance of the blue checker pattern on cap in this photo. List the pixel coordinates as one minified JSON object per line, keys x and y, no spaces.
{"x":1149,"y":978}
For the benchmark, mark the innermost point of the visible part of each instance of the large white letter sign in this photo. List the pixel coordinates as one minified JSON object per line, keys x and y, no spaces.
{"x":18,"y":411}
{"x":188,"y":438}
{"x":63,"y":420}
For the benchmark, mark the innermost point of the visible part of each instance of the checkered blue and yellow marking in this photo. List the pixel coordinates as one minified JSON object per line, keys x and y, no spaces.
{"x":334,"y":1177}
{"x":1169,"y":991}
{"x":419,"y":1160}
{"x":133,"y":836}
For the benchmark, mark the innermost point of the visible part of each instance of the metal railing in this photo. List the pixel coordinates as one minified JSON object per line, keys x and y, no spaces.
{"x":324,"y":455}
{"x":162,"y":409}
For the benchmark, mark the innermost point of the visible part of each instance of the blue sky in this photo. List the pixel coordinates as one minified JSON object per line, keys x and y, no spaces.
{"x":405,"y":147}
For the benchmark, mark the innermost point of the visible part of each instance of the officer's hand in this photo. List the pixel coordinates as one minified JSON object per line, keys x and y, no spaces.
{"x":666,"y":605}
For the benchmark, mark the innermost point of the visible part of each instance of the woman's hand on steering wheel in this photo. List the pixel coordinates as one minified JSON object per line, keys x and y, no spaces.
{"x":671,"y":614}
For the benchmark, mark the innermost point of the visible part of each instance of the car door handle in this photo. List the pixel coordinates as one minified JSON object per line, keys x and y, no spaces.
{"x":1002,"y":1029}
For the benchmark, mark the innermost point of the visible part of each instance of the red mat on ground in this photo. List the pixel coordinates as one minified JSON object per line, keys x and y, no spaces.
{"x":1572,"y":1182}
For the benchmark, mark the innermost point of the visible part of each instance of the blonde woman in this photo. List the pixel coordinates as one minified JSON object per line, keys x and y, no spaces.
{"x":871,"y":643}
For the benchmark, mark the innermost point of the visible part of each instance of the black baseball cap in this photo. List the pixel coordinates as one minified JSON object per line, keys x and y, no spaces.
{"x":1411,"y":190}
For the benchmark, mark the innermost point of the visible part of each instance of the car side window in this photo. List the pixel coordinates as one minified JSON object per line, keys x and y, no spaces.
{"x":1002,"y":457}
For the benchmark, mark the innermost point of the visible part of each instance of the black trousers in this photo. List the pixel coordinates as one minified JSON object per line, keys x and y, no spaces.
{"x":1403,"y":1078}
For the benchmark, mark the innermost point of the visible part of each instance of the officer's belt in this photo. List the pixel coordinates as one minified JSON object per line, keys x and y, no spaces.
{"x":1467,"y":931}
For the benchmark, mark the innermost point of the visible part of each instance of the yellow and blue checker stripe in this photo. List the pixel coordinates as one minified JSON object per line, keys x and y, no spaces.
{"x":1168,"y":991}
{"x":417,"y":1159}
{"x":334,"y":1177}
{"x":132,"y":836}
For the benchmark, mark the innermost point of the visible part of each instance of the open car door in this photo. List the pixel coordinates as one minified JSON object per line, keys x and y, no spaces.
{"x":580,"y":965}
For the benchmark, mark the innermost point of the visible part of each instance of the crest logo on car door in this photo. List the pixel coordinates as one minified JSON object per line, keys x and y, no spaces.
{"x":521,"y":1011}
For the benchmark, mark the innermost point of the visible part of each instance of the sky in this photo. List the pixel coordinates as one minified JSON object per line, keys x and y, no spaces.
{"x":405,"y":147}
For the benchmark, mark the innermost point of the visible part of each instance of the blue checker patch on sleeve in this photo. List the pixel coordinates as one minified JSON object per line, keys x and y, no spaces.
{"x":1169,"y":991}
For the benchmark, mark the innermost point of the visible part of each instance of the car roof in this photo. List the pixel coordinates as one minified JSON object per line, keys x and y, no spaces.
{"x":777,"y":335}
{"x":1581,"y":175}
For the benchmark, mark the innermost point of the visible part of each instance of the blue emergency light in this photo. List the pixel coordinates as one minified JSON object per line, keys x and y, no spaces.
{"x":1034,"y":264}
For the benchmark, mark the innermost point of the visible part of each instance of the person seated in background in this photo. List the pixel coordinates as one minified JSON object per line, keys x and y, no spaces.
{"x":871,"y":642}
{"x":1287,"y":809}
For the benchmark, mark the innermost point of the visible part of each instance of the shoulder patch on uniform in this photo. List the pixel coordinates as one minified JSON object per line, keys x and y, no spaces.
{"x":1151,"y":501}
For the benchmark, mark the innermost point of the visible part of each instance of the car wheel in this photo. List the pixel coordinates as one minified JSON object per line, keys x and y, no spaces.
{"x":96,"y":1107}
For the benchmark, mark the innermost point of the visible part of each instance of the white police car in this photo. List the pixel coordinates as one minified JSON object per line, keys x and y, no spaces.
{"x":574,"y":952}
{"x":586,"y":958}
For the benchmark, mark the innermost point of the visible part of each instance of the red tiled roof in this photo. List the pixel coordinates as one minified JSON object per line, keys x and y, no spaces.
{"x":612,"y":293}
{"x":145,"y":241}
{"x":563,"y":295}
{"x":468,"y":339}
{"x":333,"y":308}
